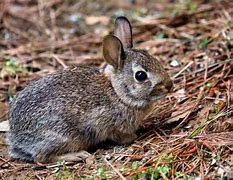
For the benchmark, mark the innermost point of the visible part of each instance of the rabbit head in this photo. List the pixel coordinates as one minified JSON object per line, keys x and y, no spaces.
{"x":136,"y":76}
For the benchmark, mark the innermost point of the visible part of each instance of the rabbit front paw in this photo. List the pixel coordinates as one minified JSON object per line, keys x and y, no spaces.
{"x":81,"y":156}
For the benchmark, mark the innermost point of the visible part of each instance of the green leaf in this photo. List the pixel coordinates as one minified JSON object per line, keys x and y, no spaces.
{"x":170,"y":158}
{"x":161,"y":35}
{"x":135,"y":177}
{"x":179,"y":174}
{"x":164,"y":169}
{"x":199,"y":129}
{"x":203,"y":43}
{"x":135,"y":165}
{"x":11,"y":68}
{"x":156,"y":175}
{"x":102,"y":173}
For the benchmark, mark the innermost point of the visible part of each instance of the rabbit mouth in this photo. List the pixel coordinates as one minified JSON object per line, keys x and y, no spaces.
{"x":158,"y":91}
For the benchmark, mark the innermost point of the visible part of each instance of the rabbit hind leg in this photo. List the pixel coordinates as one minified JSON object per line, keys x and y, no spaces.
{"x":39,"y":147}
{"x":19,"y":153}
{"x":20,"y":146}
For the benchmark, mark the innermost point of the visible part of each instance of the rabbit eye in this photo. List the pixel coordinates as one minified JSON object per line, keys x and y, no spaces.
{"x":141,"y":75}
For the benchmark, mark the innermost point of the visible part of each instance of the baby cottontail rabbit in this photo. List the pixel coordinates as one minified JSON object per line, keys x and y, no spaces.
{"x":63,"y":114}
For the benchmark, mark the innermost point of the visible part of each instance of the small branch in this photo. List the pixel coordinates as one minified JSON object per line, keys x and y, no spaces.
{"x":182,"y":70}
{"x":60,"y":61}
{"x":114,"y":169}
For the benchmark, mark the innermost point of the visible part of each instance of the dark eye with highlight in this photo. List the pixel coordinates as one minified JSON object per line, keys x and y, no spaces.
{"x":141,"y":76}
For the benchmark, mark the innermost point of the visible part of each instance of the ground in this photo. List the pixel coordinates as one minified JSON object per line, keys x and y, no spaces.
{"x":190,"y":133}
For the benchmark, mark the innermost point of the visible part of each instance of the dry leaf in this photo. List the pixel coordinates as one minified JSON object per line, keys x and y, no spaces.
{"x":179,"y":114}
{"x":4,"y":126}
{"x":91,"y":20}
{"x":221,"y":105}
{"x":203,"y":114}
{"x":180,"y":94}
{"x":3,"y":111}
{"x":213,"y":91}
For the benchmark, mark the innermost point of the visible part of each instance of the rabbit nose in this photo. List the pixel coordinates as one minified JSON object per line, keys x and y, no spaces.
{"x":169,"y":86}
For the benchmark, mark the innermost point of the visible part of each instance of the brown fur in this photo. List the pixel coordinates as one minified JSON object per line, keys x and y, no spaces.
{"x":76,"y":108}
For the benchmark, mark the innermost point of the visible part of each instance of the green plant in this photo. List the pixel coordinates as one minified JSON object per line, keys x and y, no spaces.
{"x":102,"y":173}
{"x":158,"y":171}
{"x":203,"y":43}
{"x":64,"y":173}
{"x":209,"y":120}
{"x":12,"y":68}
{"x":135,"y":165}
{"x":10,"y":95}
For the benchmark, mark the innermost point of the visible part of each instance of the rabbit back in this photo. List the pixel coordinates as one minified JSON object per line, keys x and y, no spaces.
{"x":66,"y":112}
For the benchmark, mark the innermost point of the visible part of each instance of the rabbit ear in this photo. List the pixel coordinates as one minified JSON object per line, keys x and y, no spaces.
{"x":123,"y":31}
{"x":113,"y":51}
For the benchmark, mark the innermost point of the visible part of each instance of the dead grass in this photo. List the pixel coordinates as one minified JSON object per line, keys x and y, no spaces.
{"x":189,"y":134}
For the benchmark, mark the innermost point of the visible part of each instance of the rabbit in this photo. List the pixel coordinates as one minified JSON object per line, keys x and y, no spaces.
{"x":60,"y":116}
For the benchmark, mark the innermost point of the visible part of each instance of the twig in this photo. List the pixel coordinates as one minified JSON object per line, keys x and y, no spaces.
{"x":182,"y":70}
{"x":60,"y":61}
{"x":119,"y":174}
{"x":163,"y":175}
{"x":196,"y":104}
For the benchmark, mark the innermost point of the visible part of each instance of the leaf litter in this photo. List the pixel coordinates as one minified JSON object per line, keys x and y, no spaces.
{"x":189,"y":135}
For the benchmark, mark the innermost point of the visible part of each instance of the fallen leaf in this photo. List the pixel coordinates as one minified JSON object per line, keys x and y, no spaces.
{"x":174,"y":63}
{"x":91,"y":20}
{"x":4,"y":126}
{"x":3,"y":111}
{"x":180,"y":94}
{"x":203,"y":114}
{"x":90,"y":160}
{"x":213,"y":91}
{"x":227,"y":125}
{"x":221,"y":105}
{"x":179,"y":114}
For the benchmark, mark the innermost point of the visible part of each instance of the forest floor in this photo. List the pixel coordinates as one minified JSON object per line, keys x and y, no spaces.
{"x":190,"y":134}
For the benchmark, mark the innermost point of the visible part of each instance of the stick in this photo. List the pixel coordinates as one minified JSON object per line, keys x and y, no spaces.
{"x":119,"y":174}
{"x":182,"y":70}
